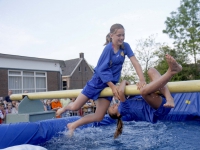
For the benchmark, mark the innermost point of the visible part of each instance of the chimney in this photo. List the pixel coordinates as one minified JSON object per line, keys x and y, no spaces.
{"x":81,"y":55}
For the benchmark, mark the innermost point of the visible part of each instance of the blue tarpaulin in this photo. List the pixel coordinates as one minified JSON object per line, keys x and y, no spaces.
{"x":187,"y":107}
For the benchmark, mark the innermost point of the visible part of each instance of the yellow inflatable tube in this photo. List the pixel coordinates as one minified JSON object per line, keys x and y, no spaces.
{"x":174,"y":87}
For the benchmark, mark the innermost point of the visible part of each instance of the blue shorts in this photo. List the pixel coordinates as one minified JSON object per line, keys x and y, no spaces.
{"x":162,"y":111}
{"x":94,"y":87}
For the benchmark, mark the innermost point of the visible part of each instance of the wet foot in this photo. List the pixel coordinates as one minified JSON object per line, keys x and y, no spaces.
{"x":70,"y":129}
{"x":169,"y":103}
{"x":59,"y":111}
{"x":174,"y":67}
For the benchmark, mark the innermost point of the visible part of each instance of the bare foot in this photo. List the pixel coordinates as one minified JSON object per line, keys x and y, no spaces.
{"x":60,"y":111}
{"x":169,"y":103}
{"x":174,"y":67}
{"x":71,"y":129}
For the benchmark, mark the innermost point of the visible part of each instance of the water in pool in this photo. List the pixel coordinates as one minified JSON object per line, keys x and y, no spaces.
{"x":165,"y":135}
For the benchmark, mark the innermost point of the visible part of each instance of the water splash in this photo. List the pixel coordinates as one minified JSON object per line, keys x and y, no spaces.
{"x":136,"y":135}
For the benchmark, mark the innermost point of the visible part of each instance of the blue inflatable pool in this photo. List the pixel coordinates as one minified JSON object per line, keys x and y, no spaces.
{"x":187,"y":108}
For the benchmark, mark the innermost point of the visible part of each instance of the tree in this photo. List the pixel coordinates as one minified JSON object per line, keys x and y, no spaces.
{"x":145,"y":53}
{"x":184,"y":27}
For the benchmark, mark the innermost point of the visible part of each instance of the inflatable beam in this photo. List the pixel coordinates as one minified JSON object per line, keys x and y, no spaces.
{"x":174,"y":87}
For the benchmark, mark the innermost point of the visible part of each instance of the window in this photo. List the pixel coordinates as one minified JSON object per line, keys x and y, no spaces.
{"x":79,"y":69}
{"x":31,"y":81}
{"x":64,"y":85}
{"x":85,"y":69}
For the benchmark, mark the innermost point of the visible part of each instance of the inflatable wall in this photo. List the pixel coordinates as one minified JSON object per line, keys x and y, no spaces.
{"x":187,"y":108}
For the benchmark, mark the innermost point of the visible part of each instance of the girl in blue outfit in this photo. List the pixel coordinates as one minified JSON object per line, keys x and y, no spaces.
{"x":149,"y":106}
{"x":107,"y":73}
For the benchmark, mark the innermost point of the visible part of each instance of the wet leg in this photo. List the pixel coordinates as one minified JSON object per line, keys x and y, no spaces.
{"x":159,"y":83}
{"x":76,"y":105}
{"x":101,"y":108}
{"x":154,"y":74}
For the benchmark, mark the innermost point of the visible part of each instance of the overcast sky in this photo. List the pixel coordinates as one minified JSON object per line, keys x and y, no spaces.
{"x":61,"y":29}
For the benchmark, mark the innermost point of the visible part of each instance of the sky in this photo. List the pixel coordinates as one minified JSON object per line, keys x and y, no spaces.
{"x":61,"y":29}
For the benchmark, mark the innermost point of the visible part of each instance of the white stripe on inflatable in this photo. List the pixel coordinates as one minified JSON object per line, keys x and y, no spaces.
{"x":25,"y":147}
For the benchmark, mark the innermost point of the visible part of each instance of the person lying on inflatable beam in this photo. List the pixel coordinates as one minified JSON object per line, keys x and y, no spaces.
{"x":149,"y":106}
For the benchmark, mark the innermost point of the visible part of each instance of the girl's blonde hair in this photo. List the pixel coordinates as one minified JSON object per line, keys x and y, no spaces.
{"x":113,"y":29}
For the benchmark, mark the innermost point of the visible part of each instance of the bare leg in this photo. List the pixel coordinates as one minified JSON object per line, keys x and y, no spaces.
{"x":76,"y":105}
{"x":148,"y":91}
{"x":154,"y":74}
{"x":101,"y":108}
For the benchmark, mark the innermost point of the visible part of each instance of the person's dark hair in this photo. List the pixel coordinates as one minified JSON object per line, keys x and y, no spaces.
{"x":113,"y":29}
{"x":119,"y":128}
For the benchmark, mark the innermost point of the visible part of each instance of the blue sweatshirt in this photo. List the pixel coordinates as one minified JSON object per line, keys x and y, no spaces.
{"x":136,"y":108}
{"x":110,"y":64}
{"x":108,"y":69}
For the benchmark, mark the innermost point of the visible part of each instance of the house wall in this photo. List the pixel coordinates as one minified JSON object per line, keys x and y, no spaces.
{"x":79,"y":79}
{"x":3,"y":82}
{"x":54,"y":81}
